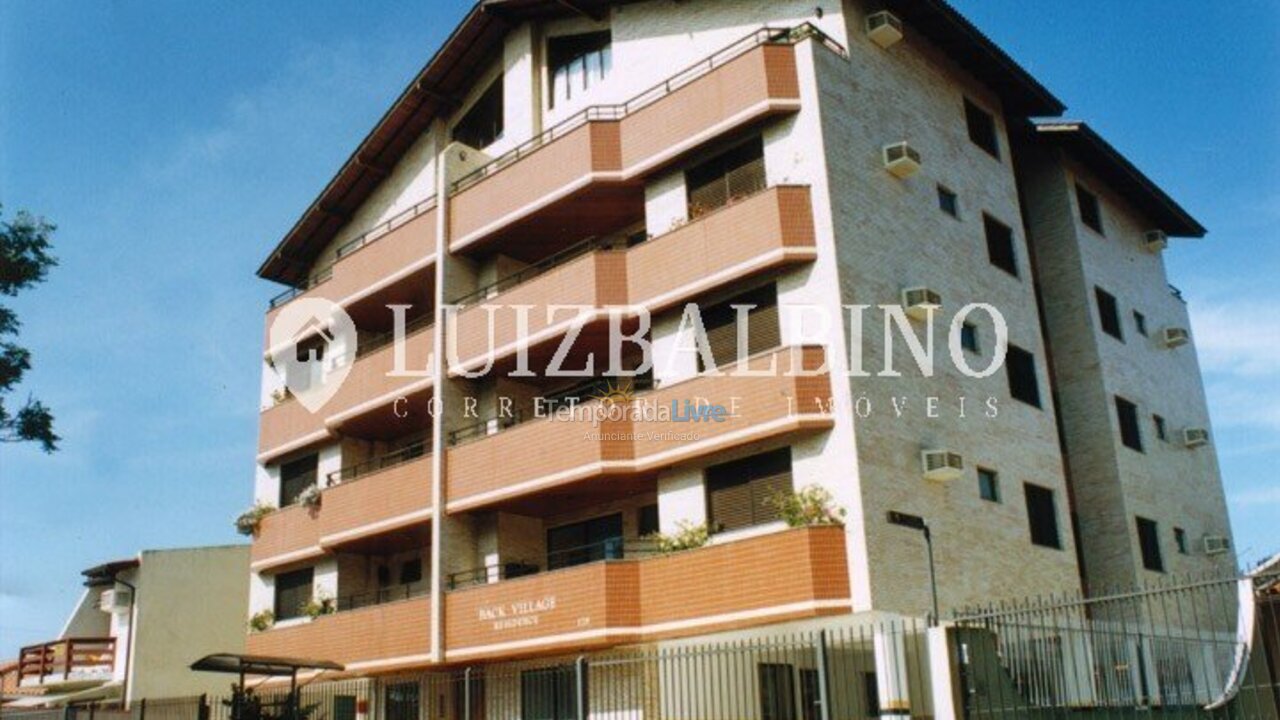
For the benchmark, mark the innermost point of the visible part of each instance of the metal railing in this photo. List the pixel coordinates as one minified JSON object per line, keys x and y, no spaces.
{"x":1174,"y":291}
{"x":368,"y":237}
{"x":381,"y":596}
{"x":351,"y":473}
{"x":551,"y":262}
{"x":485,"y":428}
{"x":615,"y":548}
{"x":763,"y":36}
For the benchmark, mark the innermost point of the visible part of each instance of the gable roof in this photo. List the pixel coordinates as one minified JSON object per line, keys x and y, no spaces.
{"x":439,"y":87}
{"x":1089,"y":148}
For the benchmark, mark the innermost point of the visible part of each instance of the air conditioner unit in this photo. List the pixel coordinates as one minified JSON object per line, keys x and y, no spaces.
{"x":1216,"y":544}
{"x":901,"y":160}
{"x":918,"y":301}
{"x":1175,"y":336}
{"x":114,"y":600}
{"x":1195,"y":437}
{"x":884,"y":28}
{"x":941,"y":465}
{"x":1155,"y":240}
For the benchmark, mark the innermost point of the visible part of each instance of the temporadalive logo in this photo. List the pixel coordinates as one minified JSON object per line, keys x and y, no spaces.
{"x":313,"y":344}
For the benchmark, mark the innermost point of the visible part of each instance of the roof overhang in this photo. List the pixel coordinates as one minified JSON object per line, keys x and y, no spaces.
{"x":439,"y":87}
{"x":1080,"y":141}
{"x":105,"y":573}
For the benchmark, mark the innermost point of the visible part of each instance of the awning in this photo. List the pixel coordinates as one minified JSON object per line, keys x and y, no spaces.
{"x":260,"y":664}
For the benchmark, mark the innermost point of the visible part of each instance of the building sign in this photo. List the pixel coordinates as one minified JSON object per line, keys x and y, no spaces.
{"x":516,"y":614}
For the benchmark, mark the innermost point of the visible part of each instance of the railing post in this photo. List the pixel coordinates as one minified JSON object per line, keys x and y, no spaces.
{"x":824,"y":690}
{"x":466,"y":694}
{"x":580,"y":683}
{"x":68,"y":650}
{"x":142,"y":709}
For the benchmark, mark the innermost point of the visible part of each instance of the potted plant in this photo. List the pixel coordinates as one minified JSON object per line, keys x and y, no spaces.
{"x":686,"y":537}
{"x":251,"y":519}
{"x":262,"y":621}
{"x":807,"y":507}
{"x":310,"y":496}
{"x":318,"y":605}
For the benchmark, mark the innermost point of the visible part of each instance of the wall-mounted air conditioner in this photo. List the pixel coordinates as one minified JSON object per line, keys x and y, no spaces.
{"x":901,"y":160}
{"x":884,"y":28}
{"x":1216,"y":544}
{"x":1195,"y":437}
{"x":116,"y":600}
{"x":1175,"y":336}
{"x":941,"y":465}
{"x":1155,"y":240}
{"x":917,"y":302}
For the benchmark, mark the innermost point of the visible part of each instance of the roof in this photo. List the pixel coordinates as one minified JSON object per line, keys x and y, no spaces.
{"x":441,"y":84}
{"x":260,"y":664}
{"x":1086,"y":146}
{"x":106,"y":572}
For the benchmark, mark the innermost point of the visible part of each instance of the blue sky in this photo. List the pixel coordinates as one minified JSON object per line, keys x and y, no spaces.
{"x":175,"y":143}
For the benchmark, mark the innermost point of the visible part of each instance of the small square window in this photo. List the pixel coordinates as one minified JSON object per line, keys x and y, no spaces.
{"x":948,"y":202}
{"x":982,"y":128}
{"x":1162,"y":431}
{"x":969,"y":337}
{"x":1140,"y":323}
{"x":1020,"y":366}
{"x":1180,"y":539}
{"x":988,"y":485}
{"x":1090,"y":210}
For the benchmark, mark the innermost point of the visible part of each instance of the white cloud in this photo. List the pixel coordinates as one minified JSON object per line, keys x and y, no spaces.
{"x":1235,"y":339}
{"x":1253,"y":498}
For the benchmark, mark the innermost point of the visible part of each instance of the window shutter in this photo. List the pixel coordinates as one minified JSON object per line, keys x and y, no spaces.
{"x":738,"y":491}
{"x":764,"y":330}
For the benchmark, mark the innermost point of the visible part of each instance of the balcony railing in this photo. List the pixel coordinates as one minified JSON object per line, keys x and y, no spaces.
{"x":381,"y":596}
{"x":355,"y":471}
{"x":611,"y":549}
{"x":68,"y":659}
{"x":764,"y":36}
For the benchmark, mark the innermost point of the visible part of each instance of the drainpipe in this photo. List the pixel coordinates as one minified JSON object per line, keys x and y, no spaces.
{"x":133,"y":624}
{"x":437,"y":421}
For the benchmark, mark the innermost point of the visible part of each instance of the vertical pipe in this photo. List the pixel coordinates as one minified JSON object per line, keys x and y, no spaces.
{"x":580,"y":685}
{"x":437,"y":424}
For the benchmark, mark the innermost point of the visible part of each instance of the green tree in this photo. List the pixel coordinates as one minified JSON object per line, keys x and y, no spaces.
{"x":24,"y":261}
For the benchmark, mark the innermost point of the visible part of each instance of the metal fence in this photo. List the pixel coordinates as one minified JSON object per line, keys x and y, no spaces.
{"x":1195,"y":648}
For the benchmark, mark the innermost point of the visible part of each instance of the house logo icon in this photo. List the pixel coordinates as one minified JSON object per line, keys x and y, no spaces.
{"x":312,"y":343}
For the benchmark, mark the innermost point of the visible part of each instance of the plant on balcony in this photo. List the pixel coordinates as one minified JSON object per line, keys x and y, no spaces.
{"x":686,"y":537}
{"x":262,"y":621}
{"x":809,"y":506}
{"x":310,"y":496}
{"x":318,"y":605}
{"x":249,"y":520}
{"x":279,"y":395}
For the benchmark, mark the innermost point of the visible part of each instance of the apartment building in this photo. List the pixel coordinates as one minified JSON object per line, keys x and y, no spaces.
{"x":630,"y":158}
{"x":138,"y":625}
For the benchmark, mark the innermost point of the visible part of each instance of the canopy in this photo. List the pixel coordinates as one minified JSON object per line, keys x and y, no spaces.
{"x":260,"y":664}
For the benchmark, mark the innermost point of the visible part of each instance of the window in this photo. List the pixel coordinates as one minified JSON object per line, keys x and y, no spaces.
{"x":293,"y":590}
{"x":1130,"y":433}
{"x":583,"y":542}
{"x":948,"y":202}
{"x":871,"y":690}
{"x":725,"y":178}
{"x":810,"y":695}
{"x":402,"y":701}
{"x":720,"y":322}
{"x":969,"y":337}
{"x":344,"y":707}
{"x":1162,"y":431}
{"x":1108,"y":313}
{"x":296,"y":476}
{"x":988,"y":485}
{"x":577,"y":62}
{"x":777,"y":692}
{"x":982,"y":128}
{"x":1140,"y":323}
{"x":1000,"y":245}
{"x":1042,"y":515}
{"x":647,"y":518}
{"x":483,"y":122}
{"x":411,"y":571}
{"x":1180,"y":539}
{"x":737,"y":490}
{"x":1021,"y":367}
{"x":548,"y":693}
{"x":1090,"y":211}
{"x":1149,"y":543}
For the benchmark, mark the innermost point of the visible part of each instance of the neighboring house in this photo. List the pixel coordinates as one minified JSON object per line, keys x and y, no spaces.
{"x":8,"y":680}
{"x":739,"y":152}
{"x":138,"y":626}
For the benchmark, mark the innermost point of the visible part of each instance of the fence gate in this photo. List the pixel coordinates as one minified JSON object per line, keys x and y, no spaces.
{"x":1197,"y":649}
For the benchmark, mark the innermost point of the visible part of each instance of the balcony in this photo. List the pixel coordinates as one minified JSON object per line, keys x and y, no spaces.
{"x":69,"y":660}
{"x":378,"y":496}
{"x":403,"y":245}
{"x":556,"y":452}
{"x":371,"y":637}
{"x":368,"y":389}
{"x":764,"y":231}
{"x":286,"y":536}
{"x":588,"y":168}
{"x":784,"y":575}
